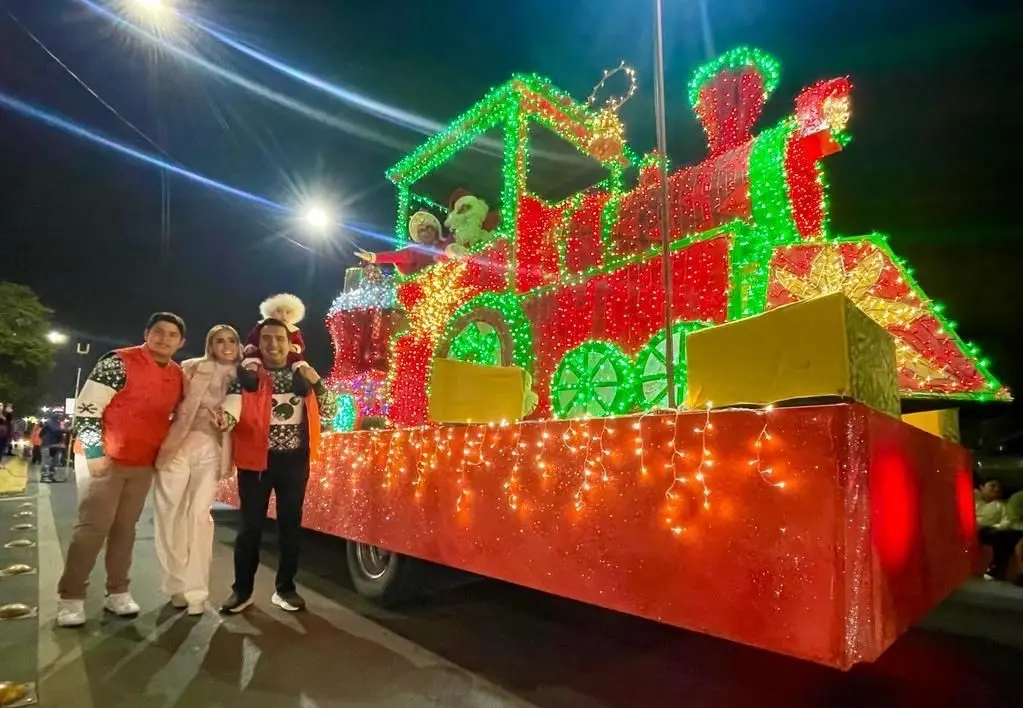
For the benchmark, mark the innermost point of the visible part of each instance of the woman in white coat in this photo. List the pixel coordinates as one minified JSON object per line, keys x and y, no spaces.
{"x":193,"y":459}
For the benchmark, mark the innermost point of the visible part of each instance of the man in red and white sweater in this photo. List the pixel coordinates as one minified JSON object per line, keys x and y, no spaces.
{"x":275,"y":436}
{"x":123,"y":413}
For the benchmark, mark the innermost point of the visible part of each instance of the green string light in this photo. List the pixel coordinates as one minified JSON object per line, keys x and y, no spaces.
{"x":733,"y":60}
{"x":596,"y":378}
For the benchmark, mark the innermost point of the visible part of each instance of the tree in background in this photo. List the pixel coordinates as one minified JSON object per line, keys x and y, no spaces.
{"x":26,"y":355}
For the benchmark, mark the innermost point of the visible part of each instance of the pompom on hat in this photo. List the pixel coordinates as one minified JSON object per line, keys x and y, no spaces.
{"x":274,"y":302}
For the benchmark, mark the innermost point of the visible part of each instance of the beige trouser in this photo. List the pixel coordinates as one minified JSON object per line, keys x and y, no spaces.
{"x":182,"y":498}
{"x":108,"y":510}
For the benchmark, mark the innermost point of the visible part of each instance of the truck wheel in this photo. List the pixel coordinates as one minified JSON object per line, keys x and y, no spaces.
{"x":381,"y":576}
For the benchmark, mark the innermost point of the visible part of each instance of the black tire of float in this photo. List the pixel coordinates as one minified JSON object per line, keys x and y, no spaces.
{"x":402,"y":580}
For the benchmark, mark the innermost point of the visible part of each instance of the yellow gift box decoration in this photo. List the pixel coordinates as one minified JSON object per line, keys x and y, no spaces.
{"x":943,"y":423}
{"x":472,"y":393}
{"x":824,"y":348}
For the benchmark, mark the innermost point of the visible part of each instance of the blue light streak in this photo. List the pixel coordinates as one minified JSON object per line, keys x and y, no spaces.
{"x":374,"y":107}
{"x":56,"y":121}
{"x":247,"y":84}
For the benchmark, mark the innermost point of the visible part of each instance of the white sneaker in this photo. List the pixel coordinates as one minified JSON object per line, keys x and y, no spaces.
{"x":178,"y":602}
{"x":196,"y":608}
{"x":289,"y":602}
{"x":70,"y":613}
{"x":121,"y":604}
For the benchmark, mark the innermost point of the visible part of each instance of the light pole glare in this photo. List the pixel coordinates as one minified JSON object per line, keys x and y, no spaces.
{"x":55,"y":337}
{"x":158,"y":14}
{"x":317,"y":217}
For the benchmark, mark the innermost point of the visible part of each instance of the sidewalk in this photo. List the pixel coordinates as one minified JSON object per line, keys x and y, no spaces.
{"x":328,"y":656}
{"x":13,"y":476}
{"x":551,"y":651}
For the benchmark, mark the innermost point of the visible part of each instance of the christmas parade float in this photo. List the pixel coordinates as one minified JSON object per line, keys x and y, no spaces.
{"x":522,"y":366}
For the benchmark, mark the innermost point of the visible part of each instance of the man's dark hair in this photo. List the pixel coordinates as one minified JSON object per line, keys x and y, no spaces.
{"x":272,"y":322}
{"x":168,"y":317}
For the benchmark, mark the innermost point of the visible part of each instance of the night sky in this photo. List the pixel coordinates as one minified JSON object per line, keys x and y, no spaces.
{"x":934,"y":151}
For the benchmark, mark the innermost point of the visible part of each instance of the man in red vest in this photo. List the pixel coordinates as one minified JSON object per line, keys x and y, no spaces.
{"x":275,"y":436}
{"x":123,"y":413}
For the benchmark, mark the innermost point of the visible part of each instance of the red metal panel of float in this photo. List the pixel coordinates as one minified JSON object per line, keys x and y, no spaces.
{"x":850,"y":527}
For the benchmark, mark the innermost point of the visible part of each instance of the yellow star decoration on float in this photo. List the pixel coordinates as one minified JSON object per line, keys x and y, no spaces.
{"x":828,"y":275}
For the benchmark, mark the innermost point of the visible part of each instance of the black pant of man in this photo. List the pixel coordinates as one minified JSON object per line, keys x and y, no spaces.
{"x":286,"y":476}
{"x":1003,"y":544}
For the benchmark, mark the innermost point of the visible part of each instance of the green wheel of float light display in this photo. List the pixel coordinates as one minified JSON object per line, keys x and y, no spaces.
{"x":651,"y":366}
{"x":595,"y":378}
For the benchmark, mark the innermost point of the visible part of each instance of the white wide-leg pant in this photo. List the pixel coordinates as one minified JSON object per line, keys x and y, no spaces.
{"x":182,"y":497}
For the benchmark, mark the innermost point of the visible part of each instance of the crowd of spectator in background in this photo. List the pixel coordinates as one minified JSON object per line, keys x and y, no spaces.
{"x":47,"y":440}
{"x":1000,"y":526}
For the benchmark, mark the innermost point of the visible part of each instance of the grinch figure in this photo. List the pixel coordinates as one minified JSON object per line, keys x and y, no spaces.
{"x":429,"y":246}
{"x":470,"y":219}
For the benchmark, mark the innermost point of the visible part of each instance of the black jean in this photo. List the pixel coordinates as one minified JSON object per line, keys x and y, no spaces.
{"x":286,"y":475}
{"x":1003,"y":544}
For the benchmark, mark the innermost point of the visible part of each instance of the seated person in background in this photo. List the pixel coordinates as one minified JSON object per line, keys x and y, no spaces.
{"x":429,"y":245}
{"x":1006,"y":537}
{"x":988,"y":504}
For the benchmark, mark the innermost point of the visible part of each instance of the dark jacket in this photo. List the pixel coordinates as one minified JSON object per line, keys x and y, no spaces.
{"x":52,"y":434}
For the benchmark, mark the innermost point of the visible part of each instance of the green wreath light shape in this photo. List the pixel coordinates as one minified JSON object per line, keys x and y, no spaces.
{"x":477,"y":342}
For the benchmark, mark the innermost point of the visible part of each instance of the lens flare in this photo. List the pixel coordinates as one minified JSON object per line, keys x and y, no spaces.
{"x":371,"y":106}
{"x":55,"y":121}
{"x":247,"y":84}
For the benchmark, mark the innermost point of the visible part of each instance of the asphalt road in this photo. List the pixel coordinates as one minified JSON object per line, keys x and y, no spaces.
{"x":471,"y":643}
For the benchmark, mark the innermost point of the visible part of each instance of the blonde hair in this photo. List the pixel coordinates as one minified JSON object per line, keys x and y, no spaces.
{"x":214,"y":331}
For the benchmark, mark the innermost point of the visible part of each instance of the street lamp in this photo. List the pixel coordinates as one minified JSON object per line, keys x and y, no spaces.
{"x":58,"y":338}
{"x":160,"y":14}
{"x":317,"y":218}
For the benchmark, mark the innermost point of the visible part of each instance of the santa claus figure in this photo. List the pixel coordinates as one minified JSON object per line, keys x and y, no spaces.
{"x":290,"y":310}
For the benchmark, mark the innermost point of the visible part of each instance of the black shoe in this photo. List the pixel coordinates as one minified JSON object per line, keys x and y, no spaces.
{"x":299,"y":385}
{"x":289,"y":601}
{"x":248,"y":380}
{"x":235,"y":604}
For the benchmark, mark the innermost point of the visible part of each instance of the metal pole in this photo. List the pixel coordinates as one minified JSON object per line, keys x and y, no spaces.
{"x":81,"y":349}
{"x":71,"y":428}
{"x":662,"y":149}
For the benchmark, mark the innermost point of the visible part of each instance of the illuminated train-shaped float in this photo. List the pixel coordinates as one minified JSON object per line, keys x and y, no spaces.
{"x":821,"y":531}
